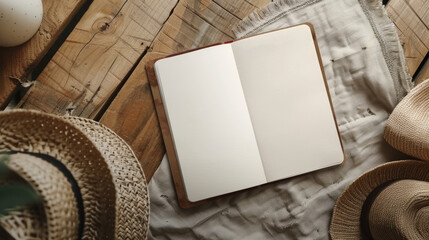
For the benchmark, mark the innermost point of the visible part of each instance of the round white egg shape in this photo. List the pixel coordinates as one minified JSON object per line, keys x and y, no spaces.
{"x":19,"y":21}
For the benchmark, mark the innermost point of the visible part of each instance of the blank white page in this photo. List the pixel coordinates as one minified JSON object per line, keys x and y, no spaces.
{"x":288,"y":102}
{"x":209,"y":122}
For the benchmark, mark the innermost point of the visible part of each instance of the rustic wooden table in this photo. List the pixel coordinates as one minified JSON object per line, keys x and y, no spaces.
{"x":88,"y":58}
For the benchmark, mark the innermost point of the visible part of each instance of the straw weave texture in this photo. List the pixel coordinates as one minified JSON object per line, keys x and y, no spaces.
{"x":401,"y":211}
{"x":108,"y":174}
{"x":132,"y":205}
{"x":24,"y":223}
{"x":346,"y":218}
{"x":59,"y":203}
{"x":407,"y":127}
{"x":31,"y":131}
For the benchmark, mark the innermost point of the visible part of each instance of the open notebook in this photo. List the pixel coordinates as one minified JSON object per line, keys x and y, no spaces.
{"x":245,"y":113}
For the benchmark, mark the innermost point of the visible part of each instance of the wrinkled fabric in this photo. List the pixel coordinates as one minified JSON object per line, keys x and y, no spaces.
{"x":366,"y":75}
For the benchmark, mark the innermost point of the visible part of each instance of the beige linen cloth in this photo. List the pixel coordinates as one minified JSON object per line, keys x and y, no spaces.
{"x":364,"y":66}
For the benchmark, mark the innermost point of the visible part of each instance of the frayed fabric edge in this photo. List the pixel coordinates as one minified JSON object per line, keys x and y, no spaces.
{"x":268,"y":14}
{"x":382,"y":25}
{"x":391,"y":47}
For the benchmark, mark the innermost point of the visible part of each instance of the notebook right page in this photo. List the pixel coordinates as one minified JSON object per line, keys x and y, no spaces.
{"x":288,"y":103}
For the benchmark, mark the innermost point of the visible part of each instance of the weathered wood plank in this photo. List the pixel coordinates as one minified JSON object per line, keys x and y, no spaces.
{"x":193,"y":24}
{"x":97,"y":56}
{"x":412,"y":28}
{"x":421,"y":7}
{"x":16,"y":63}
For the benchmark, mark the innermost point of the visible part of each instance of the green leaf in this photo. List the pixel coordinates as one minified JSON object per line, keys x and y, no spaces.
{"x":3,"y":167}
{"x":15,"y":195}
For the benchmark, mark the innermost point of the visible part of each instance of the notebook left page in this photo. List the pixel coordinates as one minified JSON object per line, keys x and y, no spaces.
{"x":209,"y":122}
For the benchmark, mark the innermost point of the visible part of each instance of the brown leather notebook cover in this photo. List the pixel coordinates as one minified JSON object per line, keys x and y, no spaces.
{"x":167,"y":135}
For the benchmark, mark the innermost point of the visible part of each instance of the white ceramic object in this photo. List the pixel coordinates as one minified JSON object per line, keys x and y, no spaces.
{"x":19,"y":21}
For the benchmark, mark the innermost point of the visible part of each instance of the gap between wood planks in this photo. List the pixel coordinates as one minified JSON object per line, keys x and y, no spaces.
{"x":178,"y":32}
{"x":125,"y":79}
{"x":71,"y":26}
{"x":75,"y":80}
{"x":76,"y":19}
{"x":422,"y":72}
{"x":120,"y":85}
{"x":61,"y":39}
{"x":131,"y":114}
{"x":114,"y":94}
{"x":22,"y":88}
{"x":411,"y":22}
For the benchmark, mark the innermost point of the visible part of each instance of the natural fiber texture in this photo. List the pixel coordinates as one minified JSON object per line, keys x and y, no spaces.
{"x":407,"y":128}
{"x":346,"y":218}
{"x":132,"y":205}
{"x":31,"y":131}
{"x":23,"y":223}
{"x":58,"y":200}
{"x":401,"y":211}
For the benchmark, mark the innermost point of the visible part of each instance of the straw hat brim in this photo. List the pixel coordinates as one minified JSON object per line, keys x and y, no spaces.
{"x":49,"y":135}
{"x":132,"y":203}
{"x":58,"y":215}
{"x":346,"y":218}
{"x":109,"y":176}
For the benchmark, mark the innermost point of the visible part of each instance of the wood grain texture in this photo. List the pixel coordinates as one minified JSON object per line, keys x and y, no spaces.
{"x":97,"y":56}
{"x":16,"y":63}
{"x":200,"y":23}
{"x":411,"y":18}
{"x":193,"y":24}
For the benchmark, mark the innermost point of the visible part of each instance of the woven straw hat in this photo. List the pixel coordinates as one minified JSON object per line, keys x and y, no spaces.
{"x":392,"y":200}
{"x":111,"y":195}
{"x":389,"y":202}
{"x":407,"y":127}
{"x":59,"y":219}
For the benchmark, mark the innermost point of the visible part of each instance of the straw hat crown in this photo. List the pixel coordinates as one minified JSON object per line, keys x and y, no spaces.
{"x":407,"y":128}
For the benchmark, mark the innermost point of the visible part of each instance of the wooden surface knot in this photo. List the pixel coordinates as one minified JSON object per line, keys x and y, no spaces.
{"x":102,"y":25}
